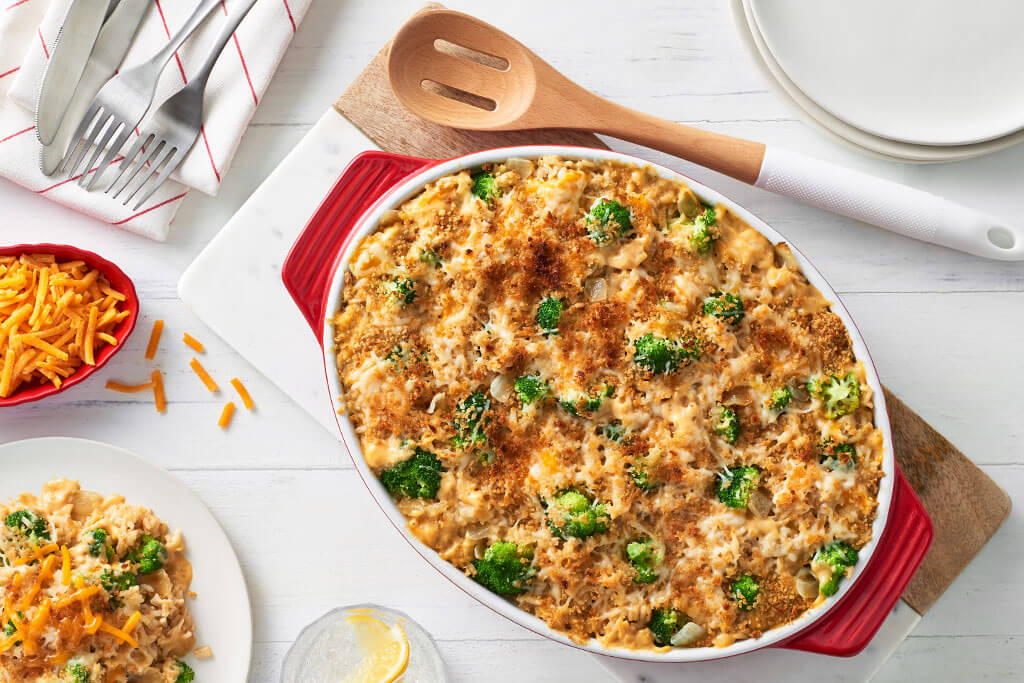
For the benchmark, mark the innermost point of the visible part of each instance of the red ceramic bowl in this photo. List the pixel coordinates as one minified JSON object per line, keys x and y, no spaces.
{"x":118,"y":280}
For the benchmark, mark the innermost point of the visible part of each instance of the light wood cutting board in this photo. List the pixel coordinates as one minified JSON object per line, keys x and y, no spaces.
{"x":965,"y":505}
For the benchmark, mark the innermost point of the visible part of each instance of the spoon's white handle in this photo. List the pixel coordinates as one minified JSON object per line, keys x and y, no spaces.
{"x":889,"y":205}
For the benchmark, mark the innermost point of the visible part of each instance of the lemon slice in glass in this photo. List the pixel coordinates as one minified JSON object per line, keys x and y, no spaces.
{"x":385,"y":650}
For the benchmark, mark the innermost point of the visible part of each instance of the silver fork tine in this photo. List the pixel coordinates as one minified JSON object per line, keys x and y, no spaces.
{"x":115,"y":124}
{"x":141,"y":143}
{"x":172,"y":163}
{"x":160,"y":154}
{"x":97,"y":127}
{"x":108,"y":158}
{"x":145,"y":165}
{"x":79,"y":134}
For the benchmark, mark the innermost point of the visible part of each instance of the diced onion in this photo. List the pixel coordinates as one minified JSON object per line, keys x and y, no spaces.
{"x":806,"y":584}
{"x":501,"y":388}
{"x":388,"y":217}
{"x":690,"y":633}
{"x":524,"y":167}
{"x":597,"y":289}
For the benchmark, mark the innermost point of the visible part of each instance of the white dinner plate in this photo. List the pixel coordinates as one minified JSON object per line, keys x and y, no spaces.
{"x":221,"y":609}
{"x":784,"y":88}
{"x":928,"y":72}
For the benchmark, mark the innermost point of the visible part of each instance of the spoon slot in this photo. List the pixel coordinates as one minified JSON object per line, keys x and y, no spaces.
{"x":469,"y":54}
{"x":458,"y":95}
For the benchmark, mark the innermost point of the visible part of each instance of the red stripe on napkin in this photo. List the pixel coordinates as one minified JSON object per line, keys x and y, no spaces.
{"x":8,"y":73}
{"x":45,"y":50}
{"x":14,"y":135}
{"x":152,"y":208}
{"x":20,"y":2}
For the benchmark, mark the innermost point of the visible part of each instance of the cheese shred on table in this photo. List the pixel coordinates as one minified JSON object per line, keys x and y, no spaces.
{"x":548,"y":327}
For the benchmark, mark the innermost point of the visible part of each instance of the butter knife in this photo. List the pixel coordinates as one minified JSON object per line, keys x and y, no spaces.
{"x":111,"y":46}
{"x":67,"y":61}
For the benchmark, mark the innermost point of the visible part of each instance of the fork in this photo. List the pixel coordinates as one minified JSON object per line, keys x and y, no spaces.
{"x":120,"y":105}
{"x":172,"y":130}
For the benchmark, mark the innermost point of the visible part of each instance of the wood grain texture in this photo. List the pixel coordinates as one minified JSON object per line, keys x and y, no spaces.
{"x":965,"y":505}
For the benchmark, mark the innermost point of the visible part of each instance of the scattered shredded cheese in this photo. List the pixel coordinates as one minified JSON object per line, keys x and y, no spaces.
{"x":129,"y":388}
{"x":203,"y":375}
{"x":118,"y":633}
{"x":158,"y":391}
{"x":154,"y":339}
{"x":243,"y":392}
{"x":225,"y":415}
{"x":193,"y":343}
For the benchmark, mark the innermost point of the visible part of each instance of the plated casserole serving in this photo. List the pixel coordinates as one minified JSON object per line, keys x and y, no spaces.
{"x":626,"y":411}
{"x":92,"y":589}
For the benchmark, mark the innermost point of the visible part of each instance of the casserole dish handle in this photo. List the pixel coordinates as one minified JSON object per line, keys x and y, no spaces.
{"x":309,"y":268}
{"x":848,"y":628}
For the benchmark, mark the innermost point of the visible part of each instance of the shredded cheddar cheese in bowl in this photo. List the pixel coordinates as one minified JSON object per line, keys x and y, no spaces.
{"x":54,"y":317}
{"x":91,"y":589}
{"x":622,"y":409}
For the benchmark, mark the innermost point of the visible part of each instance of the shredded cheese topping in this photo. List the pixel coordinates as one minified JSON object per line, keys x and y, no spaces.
{"x":83,"y":597}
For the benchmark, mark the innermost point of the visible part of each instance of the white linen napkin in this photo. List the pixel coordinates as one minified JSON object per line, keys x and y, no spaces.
{"x":28,"y":29}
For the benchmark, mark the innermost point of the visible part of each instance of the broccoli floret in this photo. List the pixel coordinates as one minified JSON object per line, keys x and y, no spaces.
{"x":28,"y":523}
{"x":608,"y":219}
{"x":402,"y":289}
{"x":835,"y":557}
{"x":728,"y":307}
{"x":780,"y":399}
{"x":727,"y":424}
{"x":430,"y":257}
{"x":10,"y":629}
{"x":613,"y":431}
{"x":641,"y":477}
{"x":734,"y":486}
{"x":578,"y":403}
{"x":484,"y":186}
{"x":837,"y":456}
{"x":548,"y":313}
{"x":98,"y":547}
{"x":665,"y":623}
{"x":505,"y":568}
{"x":576,"y":516}
{"x":645,"y":555}
{"x":701,"y":235}
{"x":746,"y":589}
{"x":185,"y":673}
{"x":470,"y":421}
{"x":113,"y":583}
{"x":149,"y":555}
{"x":415,"y":477}
{"x":841,"y":395}
{"x":531,"y":388}
{"x":76,"y":673}
{"x":664,"y":356}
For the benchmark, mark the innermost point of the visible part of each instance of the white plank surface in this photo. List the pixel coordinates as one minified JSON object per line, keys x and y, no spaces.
{"x":945,"y":330}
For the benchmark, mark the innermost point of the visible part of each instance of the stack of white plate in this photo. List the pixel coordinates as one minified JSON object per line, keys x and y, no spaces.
{"x":911,"y":80}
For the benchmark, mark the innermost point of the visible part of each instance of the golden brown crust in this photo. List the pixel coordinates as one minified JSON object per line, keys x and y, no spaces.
{"x":472,"y":328}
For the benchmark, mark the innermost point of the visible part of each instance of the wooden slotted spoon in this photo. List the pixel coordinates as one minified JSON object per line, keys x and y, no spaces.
{"x":458,"y":71}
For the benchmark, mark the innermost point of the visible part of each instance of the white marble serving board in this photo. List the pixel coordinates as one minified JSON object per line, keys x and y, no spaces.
{"x":235,"y":287}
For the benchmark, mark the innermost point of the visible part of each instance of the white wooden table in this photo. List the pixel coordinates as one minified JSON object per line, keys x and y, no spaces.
{"x":946,"y":331}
